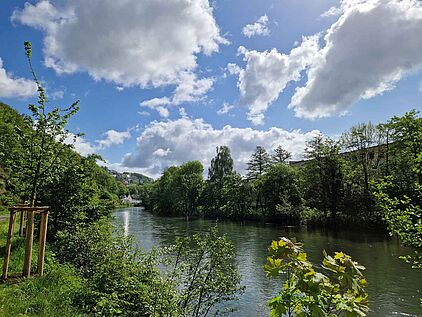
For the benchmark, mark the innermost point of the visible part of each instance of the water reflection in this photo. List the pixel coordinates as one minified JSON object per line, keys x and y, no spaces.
{"x":394,"y":288}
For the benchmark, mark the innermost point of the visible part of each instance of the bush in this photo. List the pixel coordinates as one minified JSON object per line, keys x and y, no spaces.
{"x":122,"y":282}
{"x":313,"y":217}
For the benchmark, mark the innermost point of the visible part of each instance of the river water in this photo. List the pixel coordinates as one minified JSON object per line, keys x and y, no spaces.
{"x":394,"y":288}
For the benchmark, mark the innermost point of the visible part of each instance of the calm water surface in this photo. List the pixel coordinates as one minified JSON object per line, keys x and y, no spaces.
{"x":394,"y":289}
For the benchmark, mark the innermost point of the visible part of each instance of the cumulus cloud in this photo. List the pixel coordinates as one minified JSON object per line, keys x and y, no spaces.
{"x":233,"y":69}
{"x":113,"y":137}
{"x":189,"y":89}
{"x":333,"y":11}
{"x":11,"y":87}
{"x":267,"y":74}
{"x":80,"y":145}
{"x":183,"y":113}
{"x":84,"y":147}
{"x":150,"y":42}
{"x":362,"y":57}
{"x":258,"y":28}
{"x":225,"y":109}
{"x":174,"y":142}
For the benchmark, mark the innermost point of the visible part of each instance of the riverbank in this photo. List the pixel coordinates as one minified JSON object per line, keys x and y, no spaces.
{"x":393,"y":286}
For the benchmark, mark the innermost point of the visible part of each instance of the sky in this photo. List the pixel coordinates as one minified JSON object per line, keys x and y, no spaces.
{"x":162,"y":82}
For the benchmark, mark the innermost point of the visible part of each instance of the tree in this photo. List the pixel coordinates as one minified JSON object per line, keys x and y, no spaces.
{"x":259,"y":163}
{"x":406,"y":133}
{"x":46,"y":141}
{"x":280,"y":155}
{"x":399,"y":195}
{"x":221,"y":166}
{"x":205,"y":271}
{"x":281,"y":194}
{"x":323,"y":174}
{"x":361,"y":141}
{"x":178,"y":190}
{"x":188,"y":187}
{"x":236,"y":196}
{"x":306,"y":292}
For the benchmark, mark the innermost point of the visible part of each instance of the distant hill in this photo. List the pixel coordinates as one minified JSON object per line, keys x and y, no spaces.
{"x":131,"y":178}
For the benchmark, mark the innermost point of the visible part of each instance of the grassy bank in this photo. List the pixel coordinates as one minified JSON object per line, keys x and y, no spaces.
{"x":53,"y":294}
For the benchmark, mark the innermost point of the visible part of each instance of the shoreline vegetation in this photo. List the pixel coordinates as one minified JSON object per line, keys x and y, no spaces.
{"x":338,"y":184}
{"x":93,"y":269}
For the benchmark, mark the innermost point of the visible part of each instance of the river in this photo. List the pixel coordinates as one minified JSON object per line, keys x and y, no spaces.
{"x":394,"y":288}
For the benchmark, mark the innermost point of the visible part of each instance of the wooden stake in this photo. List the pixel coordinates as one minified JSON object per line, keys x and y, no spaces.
{"x":28,"y":243}
{"x":21,"y":223}
{"x":43,"y":236}
{"x":9,"y":243}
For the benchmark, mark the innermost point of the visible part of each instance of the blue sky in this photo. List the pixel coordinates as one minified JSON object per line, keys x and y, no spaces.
{"x":162,"y":82}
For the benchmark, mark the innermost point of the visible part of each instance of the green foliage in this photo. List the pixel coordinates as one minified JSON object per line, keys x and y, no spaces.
{"x":403,"y":216}
{"x":259,"y":163}
{"x":280,"y":155}
{"x":178,"y":190}
{"x":281,"y":193}
{"x":56,"y":294}
{"x":323,"y":175}
{"x":205,"y":272}
{"x":339,"y":291}
{"x":44,"y":141}
{"x":236,"y":197}
{"x":312,"y":217}
{"x":221,"y":166}
{"x":122,"y":281}
{"x":399,"y":195}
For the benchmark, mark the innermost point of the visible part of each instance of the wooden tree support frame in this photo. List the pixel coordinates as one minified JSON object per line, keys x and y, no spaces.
{"x":28,"y":213}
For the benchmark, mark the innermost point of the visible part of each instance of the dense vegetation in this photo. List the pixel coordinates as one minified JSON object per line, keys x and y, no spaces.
{"x":337,"y":183}
{"x":92,"y":269}
{"x":372,"y":176}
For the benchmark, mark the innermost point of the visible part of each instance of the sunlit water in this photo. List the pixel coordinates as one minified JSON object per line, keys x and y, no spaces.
{"x":394,"y":289}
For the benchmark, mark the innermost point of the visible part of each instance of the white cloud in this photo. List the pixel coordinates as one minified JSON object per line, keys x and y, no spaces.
{"x":225,"y":109}
{"x":155,"y":102}
{"x":363,"y":56}
{"x":333,"y":11}
{"x":183,"y":113}
{"x":11,"y":87}
{"x":161,"y":152}
{"x":80,"y":145}
{"x":144,"y":113}
{"x":233,"y":69}
{"x":119,"y":88}
{"x":267,"y":74}
{"x":150,"y":42}
{"x":58,"y":94}
{"x":189,"y":89}
{"x":113,"y":137}
{"x":163,"y":112}
{"x":84,"y":147}
{"x":258,"y":28}
{"x":163,"y":144}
